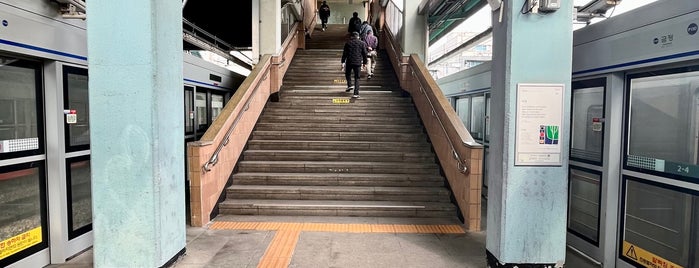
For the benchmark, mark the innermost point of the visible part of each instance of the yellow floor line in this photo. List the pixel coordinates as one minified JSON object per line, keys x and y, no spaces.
{"x":282,"y":246}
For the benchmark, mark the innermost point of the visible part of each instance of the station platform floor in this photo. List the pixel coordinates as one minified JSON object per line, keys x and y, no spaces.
{"x":356,"y":242}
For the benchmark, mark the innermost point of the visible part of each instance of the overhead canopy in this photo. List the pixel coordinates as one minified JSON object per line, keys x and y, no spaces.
{"x":445,"y":15}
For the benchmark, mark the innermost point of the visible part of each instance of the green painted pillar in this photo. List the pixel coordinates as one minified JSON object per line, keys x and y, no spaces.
{"x":136,"y":107}
{"x":414,"y":37}
{"x":530,"y":123}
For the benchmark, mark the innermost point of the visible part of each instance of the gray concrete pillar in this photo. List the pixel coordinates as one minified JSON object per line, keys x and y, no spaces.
{"x":136,"y":107}
{"x":528,"y":165}
{"x":414,"y":38}
{"x":270,"y":27}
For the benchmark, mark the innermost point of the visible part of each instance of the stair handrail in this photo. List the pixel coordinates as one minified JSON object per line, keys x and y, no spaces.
{"x":214,"y":157}
{"x":461,"y":132}
{"x":460,"y":166}
{"x":402,"y":65}
{"x":452,"y":141}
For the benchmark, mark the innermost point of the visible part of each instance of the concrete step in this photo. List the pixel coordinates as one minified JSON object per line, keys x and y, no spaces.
{"x":341,"y":110}
{"x":327,"y":102}
{"x":337,"y":208}
{"x":312,"y":90}
{"x":415,"y":128}
{"x":311,"y":156}
{"x":349,"y":146}
{"x":342,"y":119}
{"x":369,"y":98}
{"x":338,"y":179}
{"x":339,"y":167}
{"x":366,"y":193}
{"x":301,"y":155}
{"x":335,"y":136}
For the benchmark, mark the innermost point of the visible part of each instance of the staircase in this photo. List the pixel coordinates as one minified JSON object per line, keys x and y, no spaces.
{"x":309,"y":156}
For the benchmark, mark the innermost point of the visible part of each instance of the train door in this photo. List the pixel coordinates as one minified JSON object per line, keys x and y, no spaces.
{"x":189,"y":114}
{"x":659,"y":223}
{"x":486,"y":146}
{"x":586,"y":168}
{"x":24,"y":225}
{"x":480,"y":129}
{"x":694,"y":139}
{"x":201,"y":112}
{"x":474,"y":111}
{"x":76,"y":156}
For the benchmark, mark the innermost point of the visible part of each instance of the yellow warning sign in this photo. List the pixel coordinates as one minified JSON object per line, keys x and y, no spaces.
{"x":341,"y":101}
{"x":20,"y":242}
{"x":645,"y":258}
{"x":339,"y":81}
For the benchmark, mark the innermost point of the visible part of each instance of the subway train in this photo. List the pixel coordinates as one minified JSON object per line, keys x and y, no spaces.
{"x":633,"y":197}
{"x":45,"y":207}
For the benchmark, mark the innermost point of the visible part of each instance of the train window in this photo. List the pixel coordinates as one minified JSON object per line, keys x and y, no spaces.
{"x":76,"y":99}
{"x":463,"y":109}
{"x":216,"y":105}
{"x":662,"y":123}
{"x":477,"y":117}
{"x":189,"y":109}
{"x":587,"y":131}
{"x":20,"y":108}
{"x":201,"y":111}
{"x":23,"y":228}
{"x":658,"y":225}
{"x":79,"y":196}
{"x":584,"y":203}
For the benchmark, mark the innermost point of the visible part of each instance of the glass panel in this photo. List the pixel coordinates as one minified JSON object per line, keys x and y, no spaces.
{"x":463,"y":109}
{"x":587,"y":132}
{"x":583,"y":204}
{"x":80,"y":194}
{"x":20,"y":210}
{"x":216,"y":105}
{"x":18,"y":110}
{"x":663,"y":123}
{"x":76,"y":88}
{"x":477,"y":117}
{"x":658,"y":220}
{"x":189,"y":109}
{"x":200,"y":106}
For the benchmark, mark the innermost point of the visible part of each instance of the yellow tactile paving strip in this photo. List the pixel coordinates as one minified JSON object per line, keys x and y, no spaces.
{"x":338,"y":227}
{"x":282,"y":247}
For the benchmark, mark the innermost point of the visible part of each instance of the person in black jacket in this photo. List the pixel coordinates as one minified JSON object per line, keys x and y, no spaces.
{"x":355,"y":23}
{"x":354,"y":58}
{"x":324,"y":13}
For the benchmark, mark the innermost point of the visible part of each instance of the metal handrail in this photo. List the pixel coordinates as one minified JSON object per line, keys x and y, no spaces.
{"x":462,"y":168}
{"x":216,"y":39}
{"x":214,"y":158}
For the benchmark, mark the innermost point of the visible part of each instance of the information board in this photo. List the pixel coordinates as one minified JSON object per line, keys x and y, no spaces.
{"x":539,"y":124}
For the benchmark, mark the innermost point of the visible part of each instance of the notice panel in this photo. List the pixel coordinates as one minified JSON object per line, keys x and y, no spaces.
{"x":538,"y":125}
